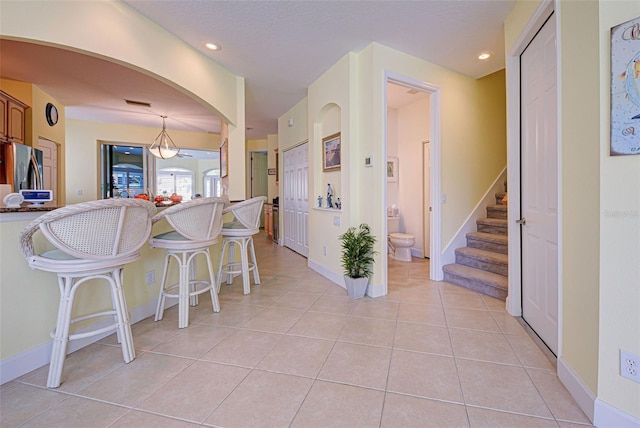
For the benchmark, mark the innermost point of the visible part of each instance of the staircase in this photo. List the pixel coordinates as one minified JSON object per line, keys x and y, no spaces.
{"x":482,"y":265}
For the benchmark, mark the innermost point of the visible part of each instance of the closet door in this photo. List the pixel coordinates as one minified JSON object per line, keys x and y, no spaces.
{"x":296,"y":199}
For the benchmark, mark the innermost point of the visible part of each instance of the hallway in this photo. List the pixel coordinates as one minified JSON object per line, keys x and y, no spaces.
{"x":298,"y":352}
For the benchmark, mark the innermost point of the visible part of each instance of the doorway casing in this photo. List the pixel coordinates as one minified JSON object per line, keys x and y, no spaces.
{"x":435,"y":264}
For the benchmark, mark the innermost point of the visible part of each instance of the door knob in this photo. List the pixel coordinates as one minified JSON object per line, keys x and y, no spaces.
{"x":522,"y":221}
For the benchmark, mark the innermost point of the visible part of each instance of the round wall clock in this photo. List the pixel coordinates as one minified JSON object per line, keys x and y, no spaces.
{"x":52,"y":114}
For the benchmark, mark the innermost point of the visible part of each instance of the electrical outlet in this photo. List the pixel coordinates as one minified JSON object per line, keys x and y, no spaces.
{"x":630,"y":366}
{"x":324,"y":250}
{"x":336,"y":220}
{"x":151,"y":277}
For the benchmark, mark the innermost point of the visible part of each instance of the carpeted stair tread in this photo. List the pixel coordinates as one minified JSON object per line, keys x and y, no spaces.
{"x":493,"y":225}
{"x":489,"y":237}
{"x":478,"y":280}
{"x":484,"y":255}
{"x":483,"y":259}
{"x":497,"y":211}
{"x":492,"y":221}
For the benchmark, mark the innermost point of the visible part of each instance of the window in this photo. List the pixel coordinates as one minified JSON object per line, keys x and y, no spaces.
{"x":122,"y":171}
{"x":129,"y":169}
{"x":175,"y":180}
{"x":212,"y":183}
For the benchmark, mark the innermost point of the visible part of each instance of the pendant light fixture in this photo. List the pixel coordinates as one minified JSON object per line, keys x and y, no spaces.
{"x":163,"y":146}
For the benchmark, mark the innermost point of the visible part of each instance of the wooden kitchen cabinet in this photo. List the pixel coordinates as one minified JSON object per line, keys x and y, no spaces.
{"x":12,"y":119}
{"x":268,"y":219}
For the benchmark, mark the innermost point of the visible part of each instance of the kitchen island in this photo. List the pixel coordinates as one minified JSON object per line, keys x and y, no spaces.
{"x":29,"y":298}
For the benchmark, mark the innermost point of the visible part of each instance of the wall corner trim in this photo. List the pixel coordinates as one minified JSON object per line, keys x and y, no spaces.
{"x":577,"y":388}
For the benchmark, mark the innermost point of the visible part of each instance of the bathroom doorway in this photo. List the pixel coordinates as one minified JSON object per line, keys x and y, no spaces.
{"x":412,"y":126}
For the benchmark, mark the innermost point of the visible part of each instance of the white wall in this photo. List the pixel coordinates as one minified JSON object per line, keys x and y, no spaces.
{"x":393,"y":189}
{"x":413,"y":129}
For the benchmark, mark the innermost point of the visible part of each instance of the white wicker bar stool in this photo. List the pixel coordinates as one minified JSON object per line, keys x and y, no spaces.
{"x":196,"y":225}
{"x":93,"y":240}
{"x":240,"y":231}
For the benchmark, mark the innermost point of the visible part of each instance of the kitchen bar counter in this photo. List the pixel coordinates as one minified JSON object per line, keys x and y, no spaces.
{"x":41,"y":209}
{"x":27,"y":209}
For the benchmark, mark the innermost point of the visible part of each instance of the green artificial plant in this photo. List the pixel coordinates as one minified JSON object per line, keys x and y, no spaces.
{"x":357,"y":251}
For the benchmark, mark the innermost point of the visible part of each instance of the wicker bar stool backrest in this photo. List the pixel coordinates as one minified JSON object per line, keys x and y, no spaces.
{"x":248,"y":212}
{"x":103,"y":229}
{"x":198,"y":219}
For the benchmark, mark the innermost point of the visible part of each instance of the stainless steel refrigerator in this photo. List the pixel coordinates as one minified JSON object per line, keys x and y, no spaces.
{"x":22,"y":166}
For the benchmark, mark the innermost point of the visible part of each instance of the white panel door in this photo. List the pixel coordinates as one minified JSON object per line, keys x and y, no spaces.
{"x":302,"y":200}
{"x":296,"y":199}
{"x":539,"y":181}
{"x":289,"y":205}
{"x":49,"y":167}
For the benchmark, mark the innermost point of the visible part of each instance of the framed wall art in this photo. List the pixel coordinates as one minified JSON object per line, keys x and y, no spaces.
{"x":625,"y":88}
{"x":392,"y":170}
{"x":331,"y":153}
{"x":224,"y":159}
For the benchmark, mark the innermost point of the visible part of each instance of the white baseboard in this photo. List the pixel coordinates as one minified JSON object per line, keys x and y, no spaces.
{"x":34,"y":358}
{"x":608,"y":416}
{"x":373,"y":290}
{"x":577,"y":388}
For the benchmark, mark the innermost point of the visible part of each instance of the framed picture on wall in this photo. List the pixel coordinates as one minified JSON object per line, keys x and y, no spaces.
{"x":331,"y":153}
{"x":224,"y":159}
{"x":392,"y":170}
{"x":625,"y":88}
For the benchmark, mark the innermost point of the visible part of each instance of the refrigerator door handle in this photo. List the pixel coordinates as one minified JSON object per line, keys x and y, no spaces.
{"x":35,"y":170}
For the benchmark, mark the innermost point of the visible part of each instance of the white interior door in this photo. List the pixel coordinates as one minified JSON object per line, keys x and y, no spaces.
{"x":539,"y":186}
{"x":296,"y":199}
{"x":49,"y":167}
{"x":426,"y":183}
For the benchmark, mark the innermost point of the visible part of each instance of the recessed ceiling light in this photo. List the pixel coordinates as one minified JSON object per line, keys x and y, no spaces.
{"x":485,"y":55}
{"x":213,"y":46}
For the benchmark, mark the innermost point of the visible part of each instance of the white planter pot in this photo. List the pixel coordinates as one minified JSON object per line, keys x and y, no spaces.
{"x":356,"y":287}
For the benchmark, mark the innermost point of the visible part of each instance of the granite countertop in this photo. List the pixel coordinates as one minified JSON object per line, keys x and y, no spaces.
{"x":30,"y":209}
{"x":27,"y":209}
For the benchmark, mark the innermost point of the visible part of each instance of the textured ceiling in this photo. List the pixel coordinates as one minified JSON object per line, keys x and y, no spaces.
{"x":279,"y":47}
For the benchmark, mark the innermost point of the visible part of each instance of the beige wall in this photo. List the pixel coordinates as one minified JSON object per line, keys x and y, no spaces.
{"x":272,"y":145}
{"x":580,"y":186}
{"x":83,"y":151}
{"x":619,"y":249}
{"x":600,"y":200}
{"x":349,"y":98}
{"x":107,"y":31}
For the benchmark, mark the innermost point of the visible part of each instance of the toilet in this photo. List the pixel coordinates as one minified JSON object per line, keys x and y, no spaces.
{"x":400,"y":243}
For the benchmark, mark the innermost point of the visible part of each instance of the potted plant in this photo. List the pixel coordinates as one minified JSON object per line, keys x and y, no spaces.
{"x":357,"y":259}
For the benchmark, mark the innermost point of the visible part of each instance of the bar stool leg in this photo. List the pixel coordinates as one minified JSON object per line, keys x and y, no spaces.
{"x":245,"y":266}
{"x":221,"y":265}
{"x":160,"y":306}
{"x":212,"y":283}
{"x":122,"y":316}
{"x":61,"y":333}
{"x":183,"y":292}
{"x":256,"y":274}
{"x":231,"y":260}
{"x":193,"y":281}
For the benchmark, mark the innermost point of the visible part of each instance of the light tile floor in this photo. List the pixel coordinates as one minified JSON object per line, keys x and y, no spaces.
{"x":299,"y":352}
